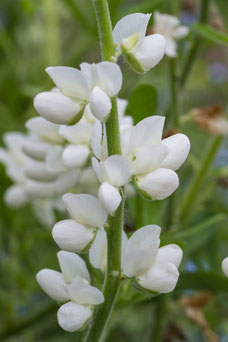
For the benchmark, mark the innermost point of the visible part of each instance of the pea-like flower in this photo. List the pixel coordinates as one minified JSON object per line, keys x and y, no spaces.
{"x":71,"y":285}
{"x":93,"y":84}
{"x":87,"y":213}
{"x":170,"y":28}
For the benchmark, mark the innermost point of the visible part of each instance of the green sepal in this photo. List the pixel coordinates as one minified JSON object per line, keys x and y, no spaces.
{"x":77,"y":117}
{"x":148,"y":293}
{"x":143,"y":193}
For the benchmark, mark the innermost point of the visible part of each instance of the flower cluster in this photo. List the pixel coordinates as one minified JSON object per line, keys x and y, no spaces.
{"x":66,"y":150}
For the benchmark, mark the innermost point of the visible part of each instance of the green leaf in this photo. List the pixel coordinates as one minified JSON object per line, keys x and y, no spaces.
{"x":211,"y":33}
{"x":202,"y":281}
{"x":143,"y":102}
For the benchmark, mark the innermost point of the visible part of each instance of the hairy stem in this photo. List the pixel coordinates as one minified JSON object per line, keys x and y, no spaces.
{"x":174,"y":93}
{"x":207,"y":160}
{"x":96,"y":332}
{"x":196,"y":45}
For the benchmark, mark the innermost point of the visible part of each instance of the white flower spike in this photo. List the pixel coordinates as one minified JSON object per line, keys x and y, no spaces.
{"x":170,"y":28}
{"x":142,"y":52}
{"x":72,"y":285}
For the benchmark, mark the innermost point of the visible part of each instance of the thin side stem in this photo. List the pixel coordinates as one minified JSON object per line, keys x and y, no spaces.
{"x":209,"y":156}
{"x":174,"y":93}
{"x":196,"y":45}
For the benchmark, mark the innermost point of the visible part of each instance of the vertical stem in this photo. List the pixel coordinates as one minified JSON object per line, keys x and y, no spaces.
{"x":96,"y":332}
{"x":159,"y":313}
{"x":196,"y":45}
{"x":174,"y":93}
{"x":209,"y":155}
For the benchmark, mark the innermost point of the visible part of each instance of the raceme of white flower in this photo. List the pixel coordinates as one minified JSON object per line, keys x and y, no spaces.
{"x":170,"y":28}
{"x":225,"y":266}
{"x":88,"y":215}
{"x":142,"y":52}
{"x":71,"y":285}
{"x":153,"y":268}
{"x":93,"y":84}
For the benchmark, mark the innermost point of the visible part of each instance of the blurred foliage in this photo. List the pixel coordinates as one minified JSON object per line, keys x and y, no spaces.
{"x":36,"y":34}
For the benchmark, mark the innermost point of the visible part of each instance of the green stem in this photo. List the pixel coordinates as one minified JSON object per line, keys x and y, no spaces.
{"x":207,"y":160}
{"x":105,"y":30}
{"x":157,"y":331}
{"x":196,"y":45}
{"x":96,"y":332}
{"x":174,"y":93}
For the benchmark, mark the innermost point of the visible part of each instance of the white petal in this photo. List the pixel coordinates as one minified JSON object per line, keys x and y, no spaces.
{"x":36,"y":189}
{"x":15,"y":196}
{"x":160,"y":278}
{"x":53,"y":159}
{"x":72,"y":317}
{"x":109,"y":197}
{"x":141,"y":250}
{"x":171,"y":47}
{"x":4,"y":157}
{"x":129,"y":190}
{"x":75,"y":156}
{"x":99,"y":142}
{"x":98,"y":250}
{"x":158,"y":184}
{"x":85,"y":209}
{"x":70,"y":81}
{"x":121,"y":107}
{"x":82,"y":293}
{"x":148,"y":158}
{"x":100,"y":104}
{"x":56,"y":107}
{"x":44,"y":211}
{"x":169,"y":253}
{"x":39,"y":171}
{"x":117,"y":170}
{"x":150,"y":51}
{"x":225,"y":266}
{"x":36,"y":149}
{"x":97,"y":169}
{"x":66,"y":181}
{"x":45,"y":129}
{"x":72,"y":236}
{"x":180,"y":32}
{"x":109,"y":78}
{"x":179,"y":146}
{"x":77,"y":134}
{"x":53,"y":284}
{"x":165,"y":23}
{"x":72,"y":266}
{"x":130,"y":25}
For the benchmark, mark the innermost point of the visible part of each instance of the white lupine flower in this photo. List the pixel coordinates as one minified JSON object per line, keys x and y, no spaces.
{"x":225,"y":266}
{"x":112,"y":173}
{"x":36,"y":148}
{"x":75,"y":156}
{"x":170,"y":28}
{"x":98,"y":249}
{"x":87,"y":213}
{"x":154,"y":268}
{"x":66,"y":104}
{"x":46,"y":130}
{"x":72,"y":284}
{"x":16,"y":196}
{"x":153,"y":161}
{"x":141,"y":51}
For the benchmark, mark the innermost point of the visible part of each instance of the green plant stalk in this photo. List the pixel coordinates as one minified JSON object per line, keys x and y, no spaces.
{"x":160,"y":306}
{"x":196,"y":45}
{"x":209,"y":156}
{"x":102,"y":313}
{"x":174,"y":93}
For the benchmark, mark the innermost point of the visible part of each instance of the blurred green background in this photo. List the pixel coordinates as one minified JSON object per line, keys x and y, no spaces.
{"x":36,"y":34}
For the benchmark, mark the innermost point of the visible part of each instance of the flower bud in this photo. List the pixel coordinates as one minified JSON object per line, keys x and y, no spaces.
{"x":100,"y":104}
{"x":109,"y":197}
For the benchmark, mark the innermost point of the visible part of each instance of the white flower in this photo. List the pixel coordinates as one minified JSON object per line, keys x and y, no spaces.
{"x":74,"y":235}
{"x":225,"y":266}
{"x":153,"y":161}
{"x":66,"y":104}
{"x":154,"y":268}
{"x":98,"y":250}
{"x":100,"y":104}
{"x":169,"y":26}
{"x":75,"y":156}
{"x":72,"y":285}
{"x":46,"y":130}
{"x":112,"y":173}
{"x":142,"y":52}
{"x":15,"y":196}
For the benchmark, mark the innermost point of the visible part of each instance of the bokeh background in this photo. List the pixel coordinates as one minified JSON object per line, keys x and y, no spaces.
{"x":36,"y":34}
